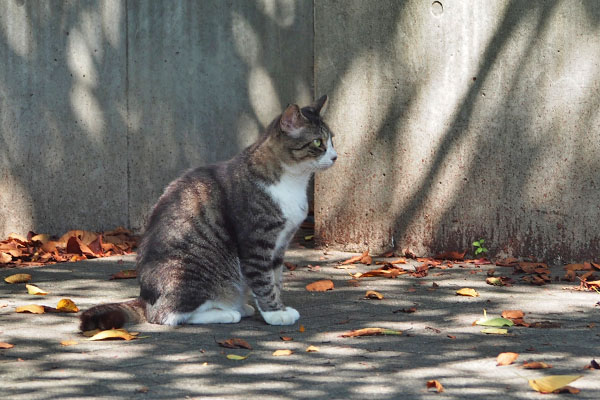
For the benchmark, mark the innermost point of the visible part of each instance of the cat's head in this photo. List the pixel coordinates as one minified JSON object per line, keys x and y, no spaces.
{"x":305,"y":138}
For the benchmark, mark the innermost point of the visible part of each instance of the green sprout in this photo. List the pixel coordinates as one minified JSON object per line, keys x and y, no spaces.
{"x":479,"y":248}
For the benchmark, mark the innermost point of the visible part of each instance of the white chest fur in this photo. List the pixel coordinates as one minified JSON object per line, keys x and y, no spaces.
{"x":290,"y":195}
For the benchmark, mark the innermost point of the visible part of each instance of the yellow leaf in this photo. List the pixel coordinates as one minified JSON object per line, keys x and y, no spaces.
{"x":312,"y":349}
{"x":279,"y":353}
{"x":506,"y":358}
{"x":309,"y":237}
{"x":236,"y":357}
{"x":31,"y":308}
{"x":467,"y":292}
{"x":33,"y":289}
{"x":67,"y":305}
{"x":495,"y":331}
{"x":68,"y":342}
{"x":112,"y":334}
{"x":18,"y":278}
{"x":372,"y":294}
{"x":549,"y":384}
{"x":90,"y":333}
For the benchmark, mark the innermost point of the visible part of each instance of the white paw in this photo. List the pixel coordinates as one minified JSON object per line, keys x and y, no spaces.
{"x":288,"y":316}
{"x":215,"y":316}
{"x":247,"y":310}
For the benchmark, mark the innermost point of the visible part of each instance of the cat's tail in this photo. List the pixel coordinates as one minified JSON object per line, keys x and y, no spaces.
{"x":113,"y":315}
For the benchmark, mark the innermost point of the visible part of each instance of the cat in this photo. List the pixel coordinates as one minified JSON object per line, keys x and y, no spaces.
{"x":217,"y":235}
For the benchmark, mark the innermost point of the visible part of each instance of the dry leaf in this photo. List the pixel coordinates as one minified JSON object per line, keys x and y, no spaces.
{"x":536,"y":365}
{"x":18,"y":278}
{"x":112,"y":334}
{"x":290,"y":266}
{"x":301,"y":329}
{"x":235,"y":343}
{"x":31,"y":308}
{"x":68,"y":342}
{"x":67,"y":305}
{"x":372,"y":294}
{"x":279,"y":353}
{"x":4,"y":345}
{"x":90,"y":333}
{"x":312,"y":349}
{"x":5,"y":258}
{"x":33,"y":289}
{"x":364,"y":258}
{"x":320,"y":286}
{"x":512,"y":314}
{"x":494,"y":331}
{"x":451,"y":255}
{"x":371,"y":332}
{"x":125,"y":274}
{"x":551,"y":383}
{"x":435,"y":384}
{"x":286,"y":338}
{"x":467,"y":292}
{"x":506,"y":358}
{"x":236,"y":357}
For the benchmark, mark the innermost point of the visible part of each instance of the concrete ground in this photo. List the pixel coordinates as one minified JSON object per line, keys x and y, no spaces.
{"x":438,"y":342}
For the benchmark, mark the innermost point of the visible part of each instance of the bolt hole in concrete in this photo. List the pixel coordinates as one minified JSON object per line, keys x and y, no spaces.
{"x":437,"y":8}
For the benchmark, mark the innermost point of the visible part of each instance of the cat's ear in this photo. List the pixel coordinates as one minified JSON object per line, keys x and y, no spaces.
{"x":292,"y":121}
{"x":320,"y":105}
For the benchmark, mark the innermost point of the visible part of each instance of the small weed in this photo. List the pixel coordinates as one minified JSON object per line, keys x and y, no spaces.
{"x":479,"y":248}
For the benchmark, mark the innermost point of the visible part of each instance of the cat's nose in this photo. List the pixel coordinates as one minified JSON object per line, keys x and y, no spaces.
{"x":334,"y":158}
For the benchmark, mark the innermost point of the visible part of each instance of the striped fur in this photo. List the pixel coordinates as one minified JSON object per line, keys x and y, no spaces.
{"x":217,"y":236}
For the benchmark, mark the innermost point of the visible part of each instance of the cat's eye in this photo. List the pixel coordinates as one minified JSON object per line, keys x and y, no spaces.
{"x":316,"y":142}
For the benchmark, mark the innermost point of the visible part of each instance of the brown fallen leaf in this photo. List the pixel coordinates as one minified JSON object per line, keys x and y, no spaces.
{"x":124,"y":274}
{"x":374,"y":295}
{"x":451,"y":255}
{"x":18,"y":278}
{"x":512,"y":314}
{"x":5,"y":258}
{"x":235,"y":343}
{"x":312,"y":349}
{"x":371,"y":332}
{"x":4,"y":345}
{"x":67,"y":305}
{"x":364,"y":258}
{"x":68,"y":343}
{"x":506,"y":358}
{"x":290,"y":266}
{"x":279,"y":353}
{"x":35,"y":290}
{"x":31,"y":308}
{"x":320,"y":286}
{"x":536,"y":365}
{"x":436,"y":385}
{"x":301,"y":329}
{"x":387,"y":271}
{"x":286,"y":338}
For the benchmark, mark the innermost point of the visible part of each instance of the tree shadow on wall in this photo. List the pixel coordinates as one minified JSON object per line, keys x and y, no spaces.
{"x":104,"y":103}
{"x":484,"y":174}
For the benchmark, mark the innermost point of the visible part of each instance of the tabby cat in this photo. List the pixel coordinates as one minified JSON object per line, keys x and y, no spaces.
{"x":218,"y":233}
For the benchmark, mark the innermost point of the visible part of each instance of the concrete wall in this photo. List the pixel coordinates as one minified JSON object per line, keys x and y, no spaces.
{"x":460,"y":120}
{"x":103,"y":103}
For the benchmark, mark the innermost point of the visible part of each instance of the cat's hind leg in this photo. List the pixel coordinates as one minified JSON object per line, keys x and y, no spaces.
{"x":212,"y":312}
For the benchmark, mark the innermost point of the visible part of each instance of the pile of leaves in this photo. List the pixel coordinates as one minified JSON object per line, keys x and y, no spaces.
{"x":75,"y":245}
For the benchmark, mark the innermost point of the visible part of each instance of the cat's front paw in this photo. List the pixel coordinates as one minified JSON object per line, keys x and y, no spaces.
{"x":287,"y":316}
